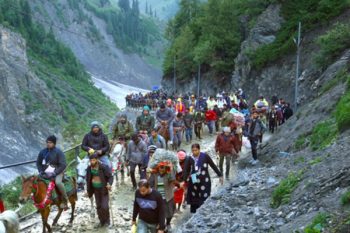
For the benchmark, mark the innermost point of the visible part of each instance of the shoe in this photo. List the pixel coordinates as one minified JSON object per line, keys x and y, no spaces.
{"x":251,"y":161}
{"x":255,"y":162}
{"x":184,"y":206}
{"x":170,"y":142}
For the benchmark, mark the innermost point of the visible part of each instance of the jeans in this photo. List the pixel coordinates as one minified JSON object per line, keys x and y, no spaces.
{"x":60,"y":186}
{"x":132,"y":173}
{"x":102,"y":201}
{"x":211,"y":125}
{"x":188,"y":132}
{"x":254,"y":141}
{"x":227,"y":157}
{"x":143,"y":227}
{"x":178,"y":138}
{"x":105,"y":160}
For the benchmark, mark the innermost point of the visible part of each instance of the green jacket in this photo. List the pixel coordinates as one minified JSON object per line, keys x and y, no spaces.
{"x":145,"y":123}
{"x":123,"y":130}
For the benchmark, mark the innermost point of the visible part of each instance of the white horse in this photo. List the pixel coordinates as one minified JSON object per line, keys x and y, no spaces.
{"x":9,"y":222}
{"x":81,"y":181}
{"x":118,"y":157}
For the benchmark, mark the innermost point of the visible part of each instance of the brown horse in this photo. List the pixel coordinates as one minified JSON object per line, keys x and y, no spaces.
{"x":164,"y":132}
{"x":39,"y":193}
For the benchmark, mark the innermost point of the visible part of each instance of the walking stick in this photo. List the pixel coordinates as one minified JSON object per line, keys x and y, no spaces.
{"x":110,"y":206}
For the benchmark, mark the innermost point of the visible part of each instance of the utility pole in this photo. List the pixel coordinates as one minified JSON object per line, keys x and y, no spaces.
{"x":174,"y":75}
{"x":297,"y":42}
{"x":199,"y":80}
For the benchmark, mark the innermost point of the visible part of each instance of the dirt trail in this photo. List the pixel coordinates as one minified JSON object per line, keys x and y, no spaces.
{"x":122,"y":203}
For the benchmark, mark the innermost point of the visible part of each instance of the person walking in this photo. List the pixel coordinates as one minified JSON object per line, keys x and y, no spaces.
{"x":51,"y":163}
{"x":227,"y":146}
{"x":188,"y":121}
{"x":134,"y":158}
{"x":162,"y":179}
{"x":255,"y":130}
{"x":199,"y":183}
{"x":146,"y":159}
{"x":272,"y":119}
{"x":178,"y":125}
{"x":198,"y":119}
{"x":149,"y":208}
{"x":97,"y":141}
{"x":210,"y":117}
{"x":99,"y":180}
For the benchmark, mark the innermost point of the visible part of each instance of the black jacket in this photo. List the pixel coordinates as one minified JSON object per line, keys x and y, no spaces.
{"x":97,"y":141}
{"x":53,"y":157}
{"x":105,"y":176}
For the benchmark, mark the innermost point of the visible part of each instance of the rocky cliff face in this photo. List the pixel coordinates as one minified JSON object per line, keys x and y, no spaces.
{"x":21,"y":133}
{"x":100,"y":57}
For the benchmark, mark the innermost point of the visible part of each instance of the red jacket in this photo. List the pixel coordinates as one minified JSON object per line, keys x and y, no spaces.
{"x":226,"y":146}
{"x":210,"y":115}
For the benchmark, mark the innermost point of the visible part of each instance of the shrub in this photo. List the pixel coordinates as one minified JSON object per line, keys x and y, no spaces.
{"x":318,"y":223}
{"x":282,"y":194}
{"x":301,"y":142}
{"x":345,"y":198}
{"x":342,"y":113}
{"x":341,"y":77}
{"x":323,"y":134}
{"x":316,"y":160}
{"x":332,"y":44}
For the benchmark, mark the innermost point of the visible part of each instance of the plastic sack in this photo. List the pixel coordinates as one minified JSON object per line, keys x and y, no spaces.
{"x":246,"y":142}
{"x":133,"y":229}
{"x":162,"y":155}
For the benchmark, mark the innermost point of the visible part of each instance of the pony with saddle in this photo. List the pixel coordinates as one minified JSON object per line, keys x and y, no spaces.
{"x":44,"y":195}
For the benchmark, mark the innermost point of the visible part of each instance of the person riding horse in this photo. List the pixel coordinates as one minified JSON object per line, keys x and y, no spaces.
{"x":51,"y":163}
{"x":145,"y":122}
{"x":166,"y":116}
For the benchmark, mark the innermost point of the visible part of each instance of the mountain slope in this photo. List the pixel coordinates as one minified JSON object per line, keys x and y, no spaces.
{"x":84,"y":26}
{"x":44,"y":90}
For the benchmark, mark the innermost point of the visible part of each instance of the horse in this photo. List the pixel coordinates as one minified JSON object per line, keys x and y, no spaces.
{"x":9,"y":222}
{"x":164,"y":132}
{"x":81,"y":173}
{"x":34,"y":185}
{"x":118,"y":156}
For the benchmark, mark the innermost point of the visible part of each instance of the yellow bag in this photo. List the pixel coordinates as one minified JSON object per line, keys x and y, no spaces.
{"x":134,"y":229}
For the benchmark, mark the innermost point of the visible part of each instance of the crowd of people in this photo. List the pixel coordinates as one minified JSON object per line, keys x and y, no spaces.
{"x":164,"y":188}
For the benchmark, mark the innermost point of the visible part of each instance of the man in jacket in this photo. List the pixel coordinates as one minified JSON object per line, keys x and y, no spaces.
{"x":255,"y":130}
{"x":145,"y":122}
{"x":210,"y":118}
{"x":198,"y":119}
{"x":99,"y":181}
{"x":227,"y":146}
{"x":97,"y":141}
{"x":51,"y":163}
{"x":123,"y":128}
{"x":166,"y":115}
{"x":188,"y":121}
{"x":134,"y":158}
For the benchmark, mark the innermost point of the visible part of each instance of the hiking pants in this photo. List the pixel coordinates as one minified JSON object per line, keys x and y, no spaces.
{"x":254,"y":141}
{"x":188,"y":132}
{"x":132,"y":173}
{"x":102,"y":205}
{"x":197,"y":129}
{"x":60,"y":185}
{"x":227,"y":157}
{"x":217,"y":125}
{"x":272,"y":126}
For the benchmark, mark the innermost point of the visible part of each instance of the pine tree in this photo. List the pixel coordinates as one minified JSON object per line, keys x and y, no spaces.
{"x":146,"y":11}
{"x":124,"y":5}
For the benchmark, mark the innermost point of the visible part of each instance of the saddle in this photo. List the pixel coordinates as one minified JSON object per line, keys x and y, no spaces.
{"x":54,"y":193}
